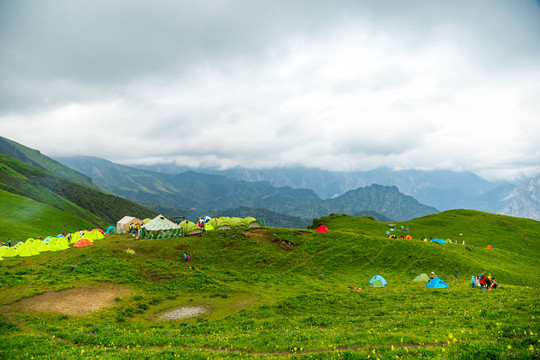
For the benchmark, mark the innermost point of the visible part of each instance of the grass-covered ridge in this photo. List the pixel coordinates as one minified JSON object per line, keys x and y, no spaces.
{"x":90,"y":205}
{"x":282,"y":293}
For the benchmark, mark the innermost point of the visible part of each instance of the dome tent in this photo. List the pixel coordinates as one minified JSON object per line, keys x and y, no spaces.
{"x":84,"y":242}
{"x":322,"y":229}
{"x":439,"y":241}
{"x":436,"y":283}
{"x":378,"y":277}
{"x":422,"y":278}
{"x":161,"y":228}
{"x":190,"y":228}
{"x":252,"y":222}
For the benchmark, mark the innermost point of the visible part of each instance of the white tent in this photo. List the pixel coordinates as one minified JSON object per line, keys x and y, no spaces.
{"x":161,"y":228}
{"x":160,"y":223}
{"x":122,"y":226}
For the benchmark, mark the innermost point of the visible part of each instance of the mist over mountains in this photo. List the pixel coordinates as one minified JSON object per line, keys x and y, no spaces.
{"x":197,"y":193}
{"x":442,"y":189}
{"x":291,"y":196}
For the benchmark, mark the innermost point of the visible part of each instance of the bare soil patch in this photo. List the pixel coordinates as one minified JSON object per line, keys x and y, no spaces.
{"x":183,"y":313}
{"x":255,"y":233}
{"x":78,"y":301}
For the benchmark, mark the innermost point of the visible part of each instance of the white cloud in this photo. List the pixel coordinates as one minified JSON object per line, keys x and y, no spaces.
{"x":342,"y":87}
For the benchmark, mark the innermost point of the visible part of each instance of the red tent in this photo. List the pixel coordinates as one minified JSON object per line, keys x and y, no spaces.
{"x":489,"y":247}
{"x":322,"y":229}
{"x":83,"y":242}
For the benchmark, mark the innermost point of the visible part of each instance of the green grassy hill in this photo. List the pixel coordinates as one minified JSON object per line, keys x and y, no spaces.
{"x":91,"y":206}
{"x":27,"y":218}
{"x":277,"y":293}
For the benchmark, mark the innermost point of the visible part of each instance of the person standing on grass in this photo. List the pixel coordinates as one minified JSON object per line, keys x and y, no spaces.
{"x":473,"y":282}
{"x":186,"y":258}
{"x":455,"y":275}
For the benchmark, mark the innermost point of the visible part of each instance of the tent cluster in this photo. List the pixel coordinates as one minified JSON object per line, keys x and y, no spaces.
{"x":162,"y":228}
{"x":33,"y":247}
{"x":220,"y":223}
{"x":434,"y":283}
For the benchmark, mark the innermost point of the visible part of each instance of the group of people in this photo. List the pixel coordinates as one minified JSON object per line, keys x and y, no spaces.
{"x":484,"y":282}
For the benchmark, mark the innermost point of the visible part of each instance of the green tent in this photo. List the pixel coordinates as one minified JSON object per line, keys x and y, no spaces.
{"x":24,"y":250}
{"x":422,"y":278}
{"x":251,"y":222}
{"x":377,"y":283}
{"x":237,"y":223}
{"x":7,"y":251}
{"x":56,"y":245}
{"x":93,"y":235}
{"x":42,"y":246}
{"x":161,"y":228}
{"x":190,"y":228}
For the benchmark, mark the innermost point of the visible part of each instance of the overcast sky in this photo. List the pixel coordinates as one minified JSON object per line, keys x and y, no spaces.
{"x":338,"y":85}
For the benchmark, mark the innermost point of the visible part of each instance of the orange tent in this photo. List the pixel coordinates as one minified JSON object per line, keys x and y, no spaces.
{"x":322,"y":229}
{"x":489,"y":247}
{"x":83,"y":242}
{"x":408,"y":237}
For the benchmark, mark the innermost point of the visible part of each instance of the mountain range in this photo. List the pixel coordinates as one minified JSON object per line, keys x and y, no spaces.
{"x":197,"y":194}
{"x":442,"y":189}
{"x":181,"y":191}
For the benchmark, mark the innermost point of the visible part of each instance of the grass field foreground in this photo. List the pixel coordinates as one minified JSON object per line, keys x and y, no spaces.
{"x":283,"y":293}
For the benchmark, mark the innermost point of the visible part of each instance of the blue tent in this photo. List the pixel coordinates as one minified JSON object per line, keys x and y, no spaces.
{"x":436,"y":283}
{"x":378,"y":277}
{"x":109,"y":230}
{"x":440,"y":241}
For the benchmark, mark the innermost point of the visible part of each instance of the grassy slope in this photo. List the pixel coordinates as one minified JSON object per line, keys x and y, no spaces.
{"x":278,"y":293}
{"x":89,"y":204}
{"x":27,"y":218}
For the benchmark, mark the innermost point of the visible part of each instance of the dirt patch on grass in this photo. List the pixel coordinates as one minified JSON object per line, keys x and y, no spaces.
{"x":255,"y":233}
{"x":77,"y":301}
{"x":183,"y":313}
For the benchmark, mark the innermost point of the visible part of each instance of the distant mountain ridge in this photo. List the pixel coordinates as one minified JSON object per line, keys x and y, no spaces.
{"x":524,"y":200}
{"x":441,"y":189}
{"x":201,"y":193}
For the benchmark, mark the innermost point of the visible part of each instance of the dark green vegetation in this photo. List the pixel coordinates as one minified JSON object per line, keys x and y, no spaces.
{"x":42,"y":196}
{"x":205,"y":193}
{"x":277,"y":293}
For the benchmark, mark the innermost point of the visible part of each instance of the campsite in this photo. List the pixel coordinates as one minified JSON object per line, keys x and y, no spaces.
{"x":275,"y":293}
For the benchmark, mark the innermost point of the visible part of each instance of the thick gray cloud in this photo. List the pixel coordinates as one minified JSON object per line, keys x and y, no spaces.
{"x":347,"y":85}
